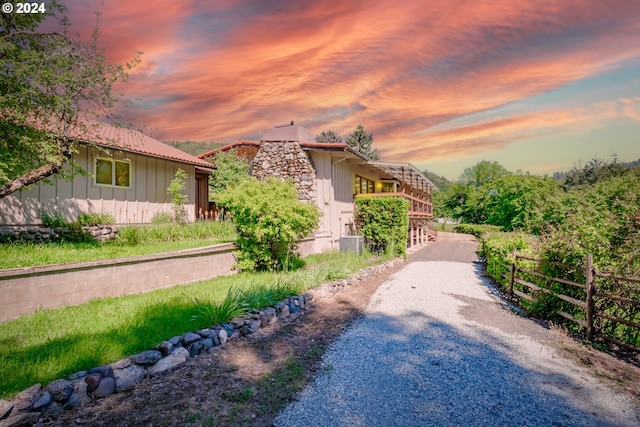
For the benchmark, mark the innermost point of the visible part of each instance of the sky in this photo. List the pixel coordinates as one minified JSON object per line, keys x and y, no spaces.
{"x":537,"y":85}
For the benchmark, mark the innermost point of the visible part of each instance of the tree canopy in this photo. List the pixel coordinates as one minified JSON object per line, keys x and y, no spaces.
{"x":362,"y":141}
{"x":230,"y":171}
{"x":50,"y":85}
{"x":328,"y":136}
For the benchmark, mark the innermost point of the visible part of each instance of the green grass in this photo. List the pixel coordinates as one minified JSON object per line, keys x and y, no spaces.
{"x":51,"y":344}
{"x":132,"y":241}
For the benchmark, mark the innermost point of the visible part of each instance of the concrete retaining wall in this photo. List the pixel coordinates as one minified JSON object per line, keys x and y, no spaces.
{"x":24,"y":290}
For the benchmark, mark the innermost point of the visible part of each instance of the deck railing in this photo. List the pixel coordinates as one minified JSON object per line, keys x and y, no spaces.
{"x":419,"y":207}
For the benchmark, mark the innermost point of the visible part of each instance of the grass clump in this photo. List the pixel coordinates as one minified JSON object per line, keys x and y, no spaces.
{"x":52,"y":344}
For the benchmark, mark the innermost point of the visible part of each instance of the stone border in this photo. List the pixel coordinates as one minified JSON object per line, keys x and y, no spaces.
{"x":84,"y":387}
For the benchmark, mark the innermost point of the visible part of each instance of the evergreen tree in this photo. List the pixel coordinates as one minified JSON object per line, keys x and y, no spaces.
{"x":362,"y":141}
{"x":328,"y":137}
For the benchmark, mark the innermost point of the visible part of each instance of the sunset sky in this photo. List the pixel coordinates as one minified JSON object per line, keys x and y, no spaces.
{"x":535,"y":85}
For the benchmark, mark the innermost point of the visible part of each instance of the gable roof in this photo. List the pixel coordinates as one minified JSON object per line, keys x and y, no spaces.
{"x":110,"y":136}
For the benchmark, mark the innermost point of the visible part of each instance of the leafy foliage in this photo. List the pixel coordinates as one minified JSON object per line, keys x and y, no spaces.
{"x":49,"y":84}
{"x":194,"y":147}
{"x":362,"y":141}
{"x":328,"y":136}
{"x":230,"y":171}
{"x":383,"y":221}
{"x":178,"y":198}
{"x":270,"y":221}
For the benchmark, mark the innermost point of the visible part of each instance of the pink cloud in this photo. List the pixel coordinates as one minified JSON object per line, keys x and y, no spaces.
{"x":240,"y":66}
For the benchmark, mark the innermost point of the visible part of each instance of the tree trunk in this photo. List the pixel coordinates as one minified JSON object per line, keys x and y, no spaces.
{"x":37,"y":174}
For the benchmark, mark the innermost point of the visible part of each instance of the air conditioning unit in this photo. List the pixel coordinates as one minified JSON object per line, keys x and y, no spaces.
{"x":353,"y":244}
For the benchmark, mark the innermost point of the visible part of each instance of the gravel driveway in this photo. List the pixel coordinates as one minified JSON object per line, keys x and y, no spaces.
{"x":438,"y":348}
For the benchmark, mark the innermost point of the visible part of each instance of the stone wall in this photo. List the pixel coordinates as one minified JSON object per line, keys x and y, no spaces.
{"x":286,"y":159}
{"x":47,"y":234}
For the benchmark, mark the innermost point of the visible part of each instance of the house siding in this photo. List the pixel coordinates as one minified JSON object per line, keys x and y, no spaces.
{"x":147,"y":196}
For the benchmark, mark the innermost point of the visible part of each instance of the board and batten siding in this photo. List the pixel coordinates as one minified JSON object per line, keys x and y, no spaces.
{"x":146,"y":197}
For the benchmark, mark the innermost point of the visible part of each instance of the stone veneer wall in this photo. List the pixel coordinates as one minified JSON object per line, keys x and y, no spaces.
{"x":286,"y":159}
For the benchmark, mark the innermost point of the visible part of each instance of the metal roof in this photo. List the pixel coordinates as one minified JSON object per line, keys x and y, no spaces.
{"x":110,"y":136}
{"x":405,"y":173}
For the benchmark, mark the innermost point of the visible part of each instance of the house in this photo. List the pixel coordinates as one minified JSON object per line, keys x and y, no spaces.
{"x":127,"y":175}
{"x":332,"y":175}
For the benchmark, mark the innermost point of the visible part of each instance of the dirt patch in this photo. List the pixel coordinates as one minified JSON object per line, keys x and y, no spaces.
{"x":246,"y":382}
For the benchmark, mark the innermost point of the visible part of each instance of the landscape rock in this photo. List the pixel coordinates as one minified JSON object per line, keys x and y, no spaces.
{"x":223,"y":336}
{"x":106,"y":387}
{"x":92,"y":380}
{"x":80,"y":391}
{"x":73,"y":402}
{"x":60,"y":390}
{"x":293,"y":308}
{"x":77,"y":375}
{"x":104,"y":371}
{"x":29,"y":393}
{"x":264,"y":320}
{"x":54,"y":410}
{"x":6,"y":408}
{"x":285,"y":311}
{"x":174,"y":341}
{"x":207,"y":344}
{"x":189,"y":338}
{"x":176,"y":358}
{"x":164,"y":348}
{"x":121,"y":364}
{"x":195,"y":348}
{"x":254,"y":325}
{"x":127,"y":377}
{"x":205,"y":333}
{"x":228,"y":328}
{"x":20,"y":419}
{"x":43,"y":400}
{"x":149,"y":357}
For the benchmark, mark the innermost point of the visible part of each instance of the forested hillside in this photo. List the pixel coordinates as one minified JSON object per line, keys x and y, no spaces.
{"x":193,"y":147}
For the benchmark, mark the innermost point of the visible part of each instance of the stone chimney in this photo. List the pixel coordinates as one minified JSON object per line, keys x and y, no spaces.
{"x":281,"y":156}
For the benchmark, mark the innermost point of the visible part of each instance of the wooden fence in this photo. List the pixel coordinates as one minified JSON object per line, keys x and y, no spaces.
{"x":605,"y":305}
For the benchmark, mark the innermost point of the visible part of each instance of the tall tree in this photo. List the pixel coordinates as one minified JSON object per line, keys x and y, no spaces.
{"x":362,"y":141}
{"x":481,"y":173}
{"x":328,"y":136}
{"x":230,"y":170}
{"x":50,"y":85}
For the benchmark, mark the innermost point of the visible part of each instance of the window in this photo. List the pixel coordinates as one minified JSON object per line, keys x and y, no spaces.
{"x":116,"y":173}
{"x":388,"y":187}
{"x":364,"y":185}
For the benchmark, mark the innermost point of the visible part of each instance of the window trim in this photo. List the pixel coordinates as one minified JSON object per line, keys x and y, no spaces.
{"x":370,"y":185}
{"x":113,"y":172}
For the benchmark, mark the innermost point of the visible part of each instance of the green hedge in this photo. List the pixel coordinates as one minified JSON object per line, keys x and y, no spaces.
{"x":384,"y":223}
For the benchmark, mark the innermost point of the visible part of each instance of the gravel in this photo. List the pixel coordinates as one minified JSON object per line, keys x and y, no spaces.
{"x":438,"y":348}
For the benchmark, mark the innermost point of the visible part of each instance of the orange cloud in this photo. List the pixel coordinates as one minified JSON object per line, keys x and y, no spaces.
{"x":227,"y":70}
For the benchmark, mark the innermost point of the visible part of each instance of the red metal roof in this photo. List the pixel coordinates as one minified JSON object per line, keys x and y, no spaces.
{"x":106,"y":135}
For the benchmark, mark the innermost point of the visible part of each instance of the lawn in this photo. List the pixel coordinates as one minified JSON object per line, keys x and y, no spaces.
{"x":132,"y":241}
{"x":51,"y":344}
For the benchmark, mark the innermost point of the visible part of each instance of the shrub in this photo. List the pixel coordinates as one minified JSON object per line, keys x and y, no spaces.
{"x":383,"y":222}
{"x":162,"y":218}
{"x":54,"y":219}
{"x":270,"y":221}
{"x":176,"y":187}
{"x":94,"y":218}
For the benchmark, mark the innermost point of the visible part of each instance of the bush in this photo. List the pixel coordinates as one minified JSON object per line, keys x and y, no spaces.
{"x":94,"y":218}
{"x":270,"y":221}
{"x":383,"y":222}
{"x":54,"y":219}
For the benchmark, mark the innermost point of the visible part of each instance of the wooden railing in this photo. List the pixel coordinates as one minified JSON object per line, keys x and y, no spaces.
{"x":603,"y":304}
{"x":420,"y":208}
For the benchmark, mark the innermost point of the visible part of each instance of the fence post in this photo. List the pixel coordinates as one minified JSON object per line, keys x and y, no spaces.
{"x":512,"y":273}
{"x":590,"y":291}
